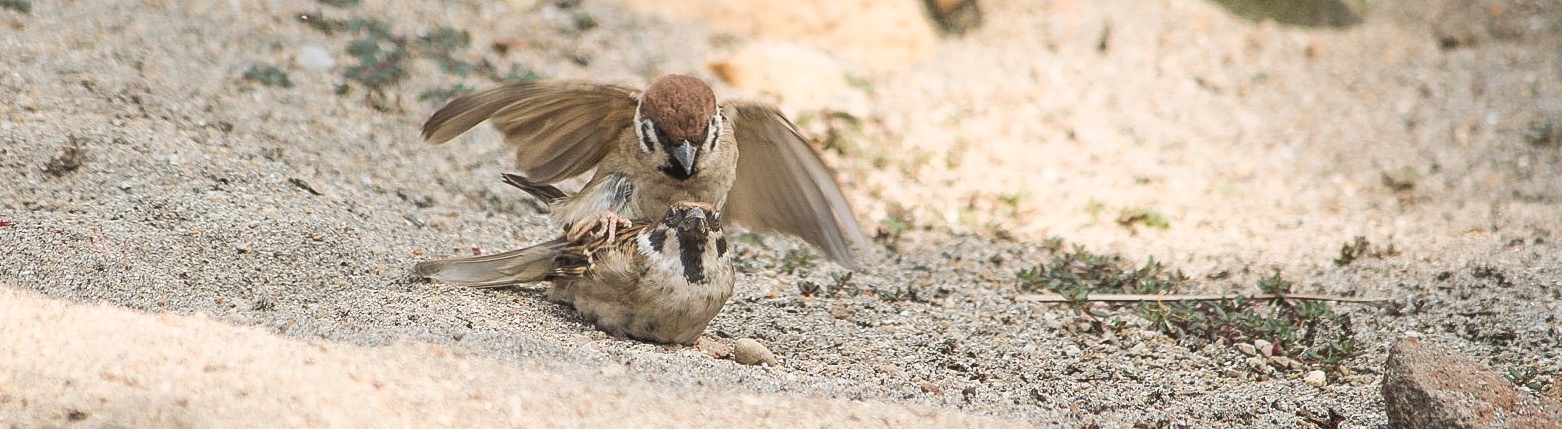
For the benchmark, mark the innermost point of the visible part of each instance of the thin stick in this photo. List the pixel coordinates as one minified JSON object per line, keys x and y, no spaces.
{"x":1109,"y":297}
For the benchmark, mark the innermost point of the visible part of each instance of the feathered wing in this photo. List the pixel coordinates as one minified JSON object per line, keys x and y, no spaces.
{"x":560,"y":129}
{"x":532,"y":264}
{"x":782,"y":185}
{"x":545,"y":261}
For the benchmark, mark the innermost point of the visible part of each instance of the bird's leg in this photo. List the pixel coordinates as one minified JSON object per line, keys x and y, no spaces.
{"x":604,"y":224}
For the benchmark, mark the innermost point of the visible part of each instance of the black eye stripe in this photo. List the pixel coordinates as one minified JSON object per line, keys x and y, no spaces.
{"x":648,"y":136}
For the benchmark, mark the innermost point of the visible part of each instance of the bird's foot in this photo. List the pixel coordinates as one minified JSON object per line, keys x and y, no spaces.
{"x":603,"y":225}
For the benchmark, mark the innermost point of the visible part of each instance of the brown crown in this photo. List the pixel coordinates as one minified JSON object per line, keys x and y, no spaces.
{"x":681,"y":106}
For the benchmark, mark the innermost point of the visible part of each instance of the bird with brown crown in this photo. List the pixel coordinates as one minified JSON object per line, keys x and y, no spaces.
{"x":671,"y":142}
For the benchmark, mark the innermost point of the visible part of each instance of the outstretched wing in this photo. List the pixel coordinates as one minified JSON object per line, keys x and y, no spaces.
{"x":782,"y":185}
{"x":560,"y":129}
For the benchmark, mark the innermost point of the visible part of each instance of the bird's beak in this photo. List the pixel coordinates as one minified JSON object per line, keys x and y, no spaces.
{"x":685,"y":154}
{"x":694,"y":220}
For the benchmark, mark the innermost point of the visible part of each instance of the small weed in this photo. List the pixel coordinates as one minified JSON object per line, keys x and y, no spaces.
{"x":1094,"y":208}
{"x":1053,"y":244}
{"x":895,"y":226}
{"x":861,"y":83}
{"x":1403,"y":179}
{"x":441,"y":95}
{"x":1526,"y":377}
{"x":808,"y":288}
{"x":1078,"y":273}
{"x":1305,"y":330}
{"x":583,"y":22}
{"x":890,"y":230}
{"x":1495,"y":274}
{"x":268,"y":75}
{"x":441,"y":42}
{"x":341,"y":3}
{"x":23,"y":6}
{"x":68,"y":160}
{"x":1356,"y":248}
{"x":1150,"y":218}
{"x":1544,"y":134}
{"x":1359,"y":248}
{"x":844,"y":133}
{"x":1009,"y":202}
{"x":842,"y":286}
{"x":382,"y":60}
{"x":797,"y":259}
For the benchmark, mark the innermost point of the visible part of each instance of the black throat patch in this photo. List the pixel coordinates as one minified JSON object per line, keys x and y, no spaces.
{"x":671,"y":169}
{"x":670,"y":165}
{"x":691,"y":248}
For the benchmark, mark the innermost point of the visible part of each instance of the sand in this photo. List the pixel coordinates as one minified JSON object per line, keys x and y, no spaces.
{"x":228,"y":253}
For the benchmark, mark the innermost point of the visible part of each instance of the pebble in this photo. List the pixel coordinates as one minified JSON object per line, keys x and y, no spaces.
{"x":1138,"y":350}
{"x":1072,"y":350}
{"x":1264,"y":347}
{"x":747,"y":351}
{"x":315,"y":58}
{"x":1315,"y":378}
{"x":1247,"y":349}
{"x":713,"y":349}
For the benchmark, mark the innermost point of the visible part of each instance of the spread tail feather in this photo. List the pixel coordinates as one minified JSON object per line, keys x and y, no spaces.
{"x":531,"y":264}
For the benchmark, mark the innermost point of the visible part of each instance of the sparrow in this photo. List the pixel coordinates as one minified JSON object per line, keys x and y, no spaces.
{"x":671,"y":142}
{"x":660,"y":282}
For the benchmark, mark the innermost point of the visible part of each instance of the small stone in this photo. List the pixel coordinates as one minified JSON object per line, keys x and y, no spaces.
{"x":929,"y":387}
{"x":1285,"y":362}
{"x":1138,"y":349}
{"x":1247,"y":349}
{"x":747,"y":351}
{"x":1264,"y":347}
{"x":841,"y":311}
{"x":1072,"y":351}
{"x":1316,"y":378}
{"x":314,"y":58}
{"x":1256,"y":363}
{"x":715,"y":349}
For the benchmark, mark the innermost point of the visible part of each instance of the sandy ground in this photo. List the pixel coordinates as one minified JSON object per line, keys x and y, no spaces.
{"x":231,"y":253}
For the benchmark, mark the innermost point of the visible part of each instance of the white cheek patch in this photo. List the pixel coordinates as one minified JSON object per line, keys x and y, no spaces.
{"x":664,"y":261}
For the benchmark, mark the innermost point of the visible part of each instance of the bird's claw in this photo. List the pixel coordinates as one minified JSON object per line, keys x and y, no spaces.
{"x":604,"y":225}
